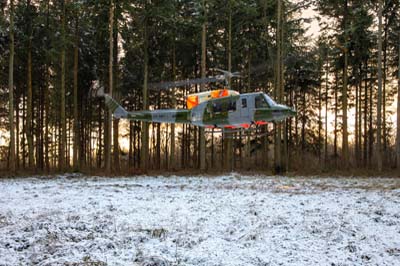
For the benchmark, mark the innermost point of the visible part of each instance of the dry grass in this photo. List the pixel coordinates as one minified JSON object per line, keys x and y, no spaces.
{"x":296,"y":168}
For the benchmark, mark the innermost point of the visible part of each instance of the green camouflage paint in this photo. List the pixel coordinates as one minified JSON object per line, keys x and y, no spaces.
{"x":220,"y":112}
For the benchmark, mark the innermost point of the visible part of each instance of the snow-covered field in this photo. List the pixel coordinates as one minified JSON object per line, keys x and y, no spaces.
{"x":228,"y":220}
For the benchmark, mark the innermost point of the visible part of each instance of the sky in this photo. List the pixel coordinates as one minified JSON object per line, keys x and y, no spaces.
{"x":314,"y":28}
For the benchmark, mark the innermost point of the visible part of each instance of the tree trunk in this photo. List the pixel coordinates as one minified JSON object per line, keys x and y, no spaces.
{"x":229,"y":136}
{"x":345,"y":137}
{"x":152,"y":152}
{"x":183,"y":147}
{"x":379,"y":106}
{"x":99,"y":155}
{"x":356,"y":146}
{"x":383,"y":125}
{"x":284,"y":150}
{"x":22,"y":144}
{"x":46,"y":95}
{"x":116,"y":163}
{"x":359,"y":117}
{"x":17,"y":131}
{"x":365,"y":159}
{"x":303,"y":122}
{"x":158,"y":146}
{"x":202,"y":139}
{"x":319,"y":121}
{"x":76,"y":145}
{"x":335,"y":153}
{"x":63,"y":135}
{"x":171,"y":165}
{"x":108,"y":122}
{"x":371,"y":129}
{"x":131,"y":145}
{"x":29,"y":111}
{"x":145,"y":125}
{"x":398,"y":111}
{"x":40,"y":131}
{"x":278,"y":89}
{"x":326,"y":109}
{"x":11,"y":91}
{"x":68,"y":142}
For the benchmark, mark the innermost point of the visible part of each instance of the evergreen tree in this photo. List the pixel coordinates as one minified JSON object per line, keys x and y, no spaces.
{"x":11,"y":91}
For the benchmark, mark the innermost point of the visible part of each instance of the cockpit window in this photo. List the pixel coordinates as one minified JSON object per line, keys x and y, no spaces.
{"x":269,"y":100}
{"x":261,"y":102}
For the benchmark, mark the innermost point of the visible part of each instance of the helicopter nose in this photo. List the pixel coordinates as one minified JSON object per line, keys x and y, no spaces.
{"x":292,"y":111}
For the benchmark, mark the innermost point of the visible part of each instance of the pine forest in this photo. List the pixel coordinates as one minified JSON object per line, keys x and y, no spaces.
{"x":335,"y":62}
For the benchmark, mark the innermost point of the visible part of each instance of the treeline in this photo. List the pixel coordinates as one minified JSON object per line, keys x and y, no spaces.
{"x":344,"y":84}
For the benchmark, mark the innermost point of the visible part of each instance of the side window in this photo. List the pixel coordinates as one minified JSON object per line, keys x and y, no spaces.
{"x":244,"y":103}
{"x":217,"y":108}
{"x":232,"y":106}
{"x":260,"y":102}
{"x":228,"y":106}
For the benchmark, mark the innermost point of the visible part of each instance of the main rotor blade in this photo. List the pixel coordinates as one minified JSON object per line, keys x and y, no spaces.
{"x":261,"y":68}
{"x":226,"y":74}
{"x":180,"y":83}
{"x":254,"y":70}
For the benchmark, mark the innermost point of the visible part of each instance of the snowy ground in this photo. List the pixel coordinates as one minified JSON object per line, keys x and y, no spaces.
{"x":228,"y":220}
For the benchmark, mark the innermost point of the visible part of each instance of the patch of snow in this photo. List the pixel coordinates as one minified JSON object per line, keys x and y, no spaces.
{"x":227,"y":220}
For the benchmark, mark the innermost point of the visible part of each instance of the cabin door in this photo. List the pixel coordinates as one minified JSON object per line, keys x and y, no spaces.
{"x":244,"y":108}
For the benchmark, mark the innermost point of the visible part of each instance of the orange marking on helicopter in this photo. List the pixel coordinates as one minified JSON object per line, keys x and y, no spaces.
{"x":230,"y":127}
{"x":195,"y":99}
{"x":219,"y":93}
{"x":260,"y":123}
{"x":245,"y":125}
{"x":192,"y":101}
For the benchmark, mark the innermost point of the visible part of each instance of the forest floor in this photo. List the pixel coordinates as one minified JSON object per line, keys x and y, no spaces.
{"x":225,"y":220}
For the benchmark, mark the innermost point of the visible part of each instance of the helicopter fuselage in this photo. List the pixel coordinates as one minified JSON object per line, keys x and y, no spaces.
{"x":235,"y":111}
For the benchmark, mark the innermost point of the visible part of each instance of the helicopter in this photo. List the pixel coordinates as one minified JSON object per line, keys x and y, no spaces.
{"x":220,"y":108}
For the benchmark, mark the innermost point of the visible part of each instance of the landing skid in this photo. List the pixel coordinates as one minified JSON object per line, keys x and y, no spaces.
{"x":245,"y":132}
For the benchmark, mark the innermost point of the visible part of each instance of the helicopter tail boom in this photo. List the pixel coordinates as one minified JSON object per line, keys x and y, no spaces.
{"x":158,"y":116}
